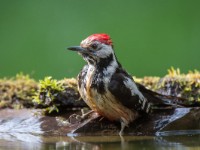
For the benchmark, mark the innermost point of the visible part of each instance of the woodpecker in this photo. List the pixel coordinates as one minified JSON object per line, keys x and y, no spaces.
{"x":106,"y":87}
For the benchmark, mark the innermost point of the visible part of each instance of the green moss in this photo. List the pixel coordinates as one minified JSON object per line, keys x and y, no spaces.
{"x":45,"y":96}
{"x":148,"y":82}
{"x":53,"y":95}
{"x":17,"y":92}
{"x":175,"y":83}
{"x":179,"y":84}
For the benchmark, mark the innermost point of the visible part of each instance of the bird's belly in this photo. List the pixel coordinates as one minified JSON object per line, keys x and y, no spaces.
{"x":108,"y":106}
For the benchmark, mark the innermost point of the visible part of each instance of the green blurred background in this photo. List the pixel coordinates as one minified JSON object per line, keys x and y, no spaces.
{"x":149,"y":36}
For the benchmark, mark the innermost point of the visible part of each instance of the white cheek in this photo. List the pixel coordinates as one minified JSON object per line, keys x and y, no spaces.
{"x":105,"y":51}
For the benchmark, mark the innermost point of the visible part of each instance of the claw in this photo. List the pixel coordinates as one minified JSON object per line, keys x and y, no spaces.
{"x":84,"y":115}
{"x":74,"y":118}
{"x":78,"y":118}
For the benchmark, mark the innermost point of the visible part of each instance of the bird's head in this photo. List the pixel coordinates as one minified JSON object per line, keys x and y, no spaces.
{"x":95,"y":47}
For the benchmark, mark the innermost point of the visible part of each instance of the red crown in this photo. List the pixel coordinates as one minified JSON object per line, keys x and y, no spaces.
{"x":101,"y":37}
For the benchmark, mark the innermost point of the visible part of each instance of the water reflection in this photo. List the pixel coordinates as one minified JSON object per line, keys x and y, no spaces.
{"x":99,"y":142}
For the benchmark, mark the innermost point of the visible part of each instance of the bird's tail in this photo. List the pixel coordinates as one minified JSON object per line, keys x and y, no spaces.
{"x":159,"y":101}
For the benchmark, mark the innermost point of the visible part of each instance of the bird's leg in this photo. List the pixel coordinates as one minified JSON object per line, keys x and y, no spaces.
{"x":84,"y":115}
{"x":123,"y":125}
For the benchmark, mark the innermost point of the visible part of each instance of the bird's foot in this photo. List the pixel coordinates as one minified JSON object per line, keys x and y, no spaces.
{"x":85,"y":114}
{"x":74,"y":118}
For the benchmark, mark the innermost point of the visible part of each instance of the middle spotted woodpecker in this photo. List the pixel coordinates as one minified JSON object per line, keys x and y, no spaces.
{"x":106,"y":87}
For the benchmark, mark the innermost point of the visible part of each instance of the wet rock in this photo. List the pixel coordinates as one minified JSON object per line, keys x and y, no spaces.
{"x":160,"y":122}
{"x":25,"y":122}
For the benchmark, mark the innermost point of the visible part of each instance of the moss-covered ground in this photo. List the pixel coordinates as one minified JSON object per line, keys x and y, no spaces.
{"x":53,"y":95}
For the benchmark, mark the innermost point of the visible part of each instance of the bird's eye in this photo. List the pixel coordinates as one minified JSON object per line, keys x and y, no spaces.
{"x":94,"y":46}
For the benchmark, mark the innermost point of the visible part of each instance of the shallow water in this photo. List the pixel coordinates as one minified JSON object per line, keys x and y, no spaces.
{"x":34,"y":142}
{"x":20,"y":130}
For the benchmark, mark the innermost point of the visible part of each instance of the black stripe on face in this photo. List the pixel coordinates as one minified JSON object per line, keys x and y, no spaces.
{"x":104,"y":62}
{"x":99,"y":76}
{"x":88,"y":58}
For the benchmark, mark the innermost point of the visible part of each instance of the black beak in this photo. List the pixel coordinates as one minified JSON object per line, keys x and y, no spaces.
{"x":77,"y":49}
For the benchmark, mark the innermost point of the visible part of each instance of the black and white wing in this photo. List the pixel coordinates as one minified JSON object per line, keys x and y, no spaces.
{"x":126,"y":91}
